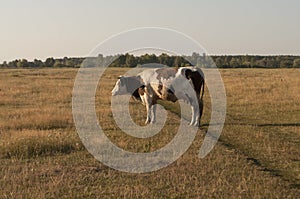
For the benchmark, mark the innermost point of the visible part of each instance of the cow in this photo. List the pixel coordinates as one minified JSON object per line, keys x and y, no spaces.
{"x":165,"y":84}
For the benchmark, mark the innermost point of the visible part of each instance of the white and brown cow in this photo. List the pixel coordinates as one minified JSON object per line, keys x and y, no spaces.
{"x":185,"y":83}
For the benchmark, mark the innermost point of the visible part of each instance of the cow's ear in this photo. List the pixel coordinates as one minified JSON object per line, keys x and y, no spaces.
{"x":121,"y":78}
{"x":188,"y":73}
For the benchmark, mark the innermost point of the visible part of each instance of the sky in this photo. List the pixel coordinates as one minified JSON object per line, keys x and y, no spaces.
{"x":58,"y":28}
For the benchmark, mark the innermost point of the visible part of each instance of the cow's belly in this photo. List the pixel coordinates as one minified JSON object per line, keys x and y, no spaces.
{"x":163,"y":92}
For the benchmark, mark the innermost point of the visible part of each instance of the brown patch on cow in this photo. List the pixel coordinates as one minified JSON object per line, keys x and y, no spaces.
{"x":154,"y":99}
{"x":159,"y":88}
{"x":166,"y":73}
{"x":141,"y":91}
{"x":197,"y":78}
{"x":188,"y":73}
{"x":167,"y":94}
{"x":136,"y":95}
{"x":171,"y":97}
{"x":132,"y":85}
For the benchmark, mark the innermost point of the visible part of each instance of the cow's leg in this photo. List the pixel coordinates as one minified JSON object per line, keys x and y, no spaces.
{"x":148,"y":109}
{"x":153,"y":114}
{"x":148,"y":119}
{"x":153,"y":109}
{"x":147,"y":101}
{"x":195,"y":115}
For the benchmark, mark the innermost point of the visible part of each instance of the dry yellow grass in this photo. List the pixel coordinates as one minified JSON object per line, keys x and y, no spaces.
{"x":42,"y":157}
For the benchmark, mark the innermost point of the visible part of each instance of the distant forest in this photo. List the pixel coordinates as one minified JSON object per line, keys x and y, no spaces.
{"x":129,"y":60}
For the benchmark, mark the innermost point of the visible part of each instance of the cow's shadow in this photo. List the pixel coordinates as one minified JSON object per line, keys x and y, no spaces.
{"x":255,"y":125}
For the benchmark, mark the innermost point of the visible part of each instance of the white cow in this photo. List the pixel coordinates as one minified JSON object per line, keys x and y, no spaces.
{"x":186,"y":83}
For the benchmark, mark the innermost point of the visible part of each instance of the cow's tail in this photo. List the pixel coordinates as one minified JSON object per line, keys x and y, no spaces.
{"x":202,"y":89}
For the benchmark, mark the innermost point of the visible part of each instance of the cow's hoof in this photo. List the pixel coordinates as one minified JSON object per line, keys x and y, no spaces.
{"x":196,"y":124}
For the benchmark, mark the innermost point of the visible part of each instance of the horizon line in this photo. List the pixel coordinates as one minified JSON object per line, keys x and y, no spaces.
{"x":221,"y":54}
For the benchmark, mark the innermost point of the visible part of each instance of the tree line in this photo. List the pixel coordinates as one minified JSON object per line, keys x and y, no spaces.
{"x":129,"y":60}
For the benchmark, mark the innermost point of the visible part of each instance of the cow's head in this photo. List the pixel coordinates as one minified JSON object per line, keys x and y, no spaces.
{"x":127,"y":86}
{"x":120,"y":87}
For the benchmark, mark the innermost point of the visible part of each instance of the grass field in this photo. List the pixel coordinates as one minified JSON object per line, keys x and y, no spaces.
{"x":257,"y":156}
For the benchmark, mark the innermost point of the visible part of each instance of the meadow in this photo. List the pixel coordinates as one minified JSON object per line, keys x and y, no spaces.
{"x":257,"y":155}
